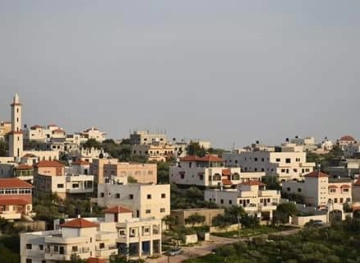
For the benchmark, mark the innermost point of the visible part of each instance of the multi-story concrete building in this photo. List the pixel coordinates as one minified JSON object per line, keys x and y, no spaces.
{"x":351,"y":150}
{"x":145,"y":200}
{"x":145,"y":137}
{"x":318,"y":189}
{"x":252,"y":196}
{"x":93,"y":133}
{"x":54,"y":177}
{"x":15,"y":198}
{"x":209,"y":171}
{"x":107,"y":168}
{"x":44,"y":133}
{"x":117,"y":233}
{"x":288,"y":162}
{"x":345,"y":141}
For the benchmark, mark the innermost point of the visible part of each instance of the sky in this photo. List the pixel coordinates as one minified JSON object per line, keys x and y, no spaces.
{"x":231,"y":72}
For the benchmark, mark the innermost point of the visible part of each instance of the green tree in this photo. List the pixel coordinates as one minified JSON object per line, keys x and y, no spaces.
{"x":194,"y":148}
{"x":3,"y":148}
{"x":170,"y":220}
{"x":163,"y":172}
{"x":92,"y":143}
{"x":195,"y":219}
{"x":131,"y":180}
{"x":283,"y":212}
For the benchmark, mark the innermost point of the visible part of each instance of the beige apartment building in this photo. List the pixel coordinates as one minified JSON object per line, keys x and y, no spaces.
{"x":100,"y":238}
{"x":319,"y":189}
{"x":54,"y":177}
{"x":108,"y":168}
{"x":146,"y":138}
{"x":145,"y":200}
{"x":252,"y":196}
{"x":288,"y":163}
{"x":44,"y":133}
{"x":209,"y":171}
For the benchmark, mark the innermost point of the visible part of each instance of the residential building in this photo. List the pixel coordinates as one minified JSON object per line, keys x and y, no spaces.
{"x":287,"y":162}
{"x":252,"y":196}
{"x":308,"y":143}
{"x":117,"y":233}
{"x":54,"y":177}
{"x":87,"y":154}
{"x":158,"y":152}
{"x":145,"y":200}
{"x":146,"y":138}
{"x":209,"y":213}
{"x":5,"y":128}
{"x":15,"y":198}
{"x":318,"y":189}
{"x":93,"y":133}
{"x":345,"y":141}
{"x":48,"y":133}
{"x":107,"y":168}
{"x":350,"y":150}
{"x":209,"y":171}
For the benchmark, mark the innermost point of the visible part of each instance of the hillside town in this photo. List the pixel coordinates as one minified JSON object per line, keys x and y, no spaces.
{"x":84,"y":197}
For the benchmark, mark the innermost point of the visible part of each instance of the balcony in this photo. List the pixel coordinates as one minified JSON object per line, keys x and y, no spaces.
{"x":269,"y":193}
{"x":10,"y":215}
{"x":64,"y":255}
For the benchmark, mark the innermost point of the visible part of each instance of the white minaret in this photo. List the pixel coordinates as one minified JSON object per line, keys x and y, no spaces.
{"x":16,"y":134}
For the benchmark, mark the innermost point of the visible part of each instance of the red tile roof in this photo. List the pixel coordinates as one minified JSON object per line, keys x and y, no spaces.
{"x":347,"y":138}
{"x":357,"y":183}
{"x":13,"y":183}
{"x":95,"y":260}
{"x":35,"y":127}
{"x":226,"y":171}
{"x":226,"y":182}
{"x":79,"y":223}
{"x":81,"y":162}
{"x":24,"y":167}
{"x":316,"y":174}
{"x":253,"y":183}
{"x":208,"y":158}
{"x":49,"y":164}
{"x":59,"y":130}
{"x":117,"y":210}
{"x":14,"y":201}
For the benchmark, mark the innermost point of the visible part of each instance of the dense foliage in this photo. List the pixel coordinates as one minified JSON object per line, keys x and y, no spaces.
{"x":336,"y":244}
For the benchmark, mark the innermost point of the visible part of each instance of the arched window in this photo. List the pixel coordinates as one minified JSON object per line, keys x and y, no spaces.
{"x":216,"y":177}
{"x":236,"y":176}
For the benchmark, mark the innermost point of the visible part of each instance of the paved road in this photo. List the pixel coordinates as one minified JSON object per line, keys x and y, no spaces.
{"x":206,"y":247}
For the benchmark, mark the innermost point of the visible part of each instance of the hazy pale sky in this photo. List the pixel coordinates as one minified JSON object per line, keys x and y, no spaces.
{"x":226,"y":71}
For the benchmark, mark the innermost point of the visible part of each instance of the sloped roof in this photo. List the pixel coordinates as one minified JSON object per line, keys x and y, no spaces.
{"x":49,"y":164}
{"x":226,"y":171}
{"x":14,"y":183}
{"x":208,"y":158}
{"x":226,"y":182}
{"x":316,"y":174}
{"x":79,"y":223}
{"x":347,"y":138}
{"x":357,"y":183}
{"x":81,"y":162}
{"x":117,"y":210}
{"x":29,"y":155}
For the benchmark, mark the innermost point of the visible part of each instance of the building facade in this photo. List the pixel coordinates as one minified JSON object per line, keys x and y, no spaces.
{"x":252,"y":196}
{"x":209,"y":171}
{"x":145,"y":200}
{"x":288,"y":163}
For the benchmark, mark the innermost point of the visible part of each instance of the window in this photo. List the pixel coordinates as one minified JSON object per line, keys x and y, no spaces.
{"x":162,"y":210}
{"x":131,"y":196}
{"x":297,"y":159}
{"x":28,"y":246}
{"x":60,"y":186}
{"x":102,"y":245}
{"x":255,"y":159}
{"x":341,"y":200}
{"x":41,"y":247}
{"x":230,"y":202}
{"x":299,"y":190}
{"x":345,"y":190}
{"x":221,"y":201}
{"x":287,"y":160}
{"x":182,"y":176}
{"x":74,"y":249}
{"x":283,"y":170}
{"x":147,"y":211}
{"x":28,"y":260}
{"x":163,"y":195}
{"x":102,"y":194}
{"x":262,"y":159}
{"x":332,"y":190}
{"x":148,"y":196}
{"x":117,"y":196}
{"x":278,"y":160}
{"x":56,"y":249}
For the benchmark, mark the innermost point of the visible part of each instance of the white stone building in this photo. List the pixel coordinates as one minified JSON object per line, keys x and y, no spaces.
{"x":209,"y":171}
{"x":252,"y":196}
{"x":117,"y":233}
